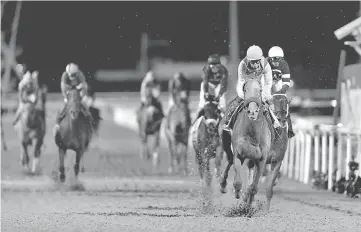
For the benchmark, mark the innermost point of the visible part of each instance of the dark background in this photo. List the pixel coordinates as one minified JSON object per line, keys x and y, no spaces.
{"x":106,"y":35}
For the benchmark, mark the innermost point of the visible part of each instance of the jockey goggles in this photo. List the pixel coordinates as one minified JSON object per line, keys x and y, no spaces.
{"x":276,"y":59}
{"x":254,"y":64}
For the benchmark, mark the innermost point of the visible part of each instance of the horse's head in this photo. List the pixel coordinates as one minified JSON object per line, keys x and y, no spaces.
{"x":281,"y":108}
{"x":253,"y":98}
{"x":212,"y":114}
{"x":74,"y":102}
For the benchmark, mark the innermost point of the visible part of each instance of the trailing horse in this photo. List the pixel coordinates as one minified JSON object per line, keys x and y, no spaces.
{"x":279,"y":146}
{"x":31,"y":128}
{"x":249,"y":144}
{"x":177,"y":124}
{"x":75,"y":132}
{"x":149,"y":120}
{"x":206,"y":141}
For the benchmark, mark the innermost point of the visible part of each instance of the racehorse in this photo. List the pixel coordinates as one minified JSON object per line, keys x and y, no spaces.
{"x":31,"y":128}
{"x":75,"y":132}
{"x":249,"y":144}
{"x":279,"y":147}
{"x":206,"y":141}
{"x":177,"y":124}
{"x":149,"y":120}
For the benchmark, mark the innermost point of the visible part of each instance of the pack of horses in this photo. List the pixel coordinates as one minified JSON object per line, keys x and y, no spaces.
{"x":75,"y":133}
{"x":249,"y":147}
{"x":252,"y":145}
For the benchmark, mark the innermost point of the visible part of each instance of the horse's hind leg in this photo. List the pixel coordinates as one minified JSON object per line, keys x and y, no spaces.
{"x":79,"y":155}
{"x":37,"y":150}
{"x":62,"y":153}
{"x":270,"y":184}
{"x":226,"y":144}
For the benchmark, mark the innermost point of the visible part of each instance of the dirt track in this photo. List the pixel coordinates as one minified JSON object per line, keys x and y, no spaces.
{"x":123,"y":194}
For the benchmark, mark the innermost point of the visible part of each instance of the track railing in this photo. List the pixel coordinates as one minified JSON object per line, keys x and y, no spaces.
{"x":324,"y":149}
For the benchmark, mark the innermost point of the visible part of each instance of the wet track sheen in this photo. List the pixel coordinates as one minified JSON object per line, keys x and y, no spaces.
{"x":120,"y":192}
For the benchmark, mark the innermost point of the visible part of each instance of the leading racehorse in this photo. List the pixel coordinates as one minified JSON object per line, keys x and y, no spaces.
{"x":177,"y":124}
{"x":206,"y":141}
{"x":75,"y":132}
{"x":249,"y":144}
{"x":31,"y":128}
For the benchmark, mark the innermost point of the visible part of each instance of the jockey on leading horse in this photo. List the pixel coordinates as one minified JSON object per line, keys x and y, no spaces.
{"x":178,"y":85}
{"x":150,"y":85}
{"x":281,"y":77}
{"x":28,"y":89}
{"x":215,"y":79}
{"x":254,"y":65}
{"x":72,"y":77}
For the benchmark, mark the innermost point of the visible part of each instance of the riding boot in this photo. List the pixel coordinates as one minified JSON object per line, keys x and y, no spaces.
{"x":158,"y":105}
{"x":60,"y":116}
{"x":229,"y":120}
{"x":290,"y":128}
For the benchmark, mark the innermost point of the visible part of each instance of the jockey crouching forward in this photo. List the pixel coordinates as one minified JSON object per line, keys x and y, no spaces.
{"x":215,"y":81}
{"x":281,"y":77}
{"x":254,"y":65}
{"x":150,"y":92}
{"x":72,"y":78}
{"x":28,"y":91}
{"x":179,"y":86}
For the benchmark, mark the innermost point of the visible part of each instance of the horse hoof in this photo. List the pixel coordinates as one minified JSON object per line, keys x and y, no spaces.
{"x":223,"y":190}
{"x":62,"y":178}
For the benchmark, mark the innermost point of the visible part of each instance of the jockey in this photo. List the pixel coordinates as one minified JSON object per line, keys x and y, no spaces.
{"x":281,"y":77}
{"x":28,"y":91}
{"x":179,"y":84}
{"x":72,"y":77}
{"x":150,"y":85}
{"x":215,"y":81}
{"x":254,"y":65}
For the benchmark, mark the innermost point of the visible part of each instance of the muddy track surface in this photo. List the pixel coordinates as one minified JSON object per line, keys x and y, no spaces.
{"x":120,"y":192}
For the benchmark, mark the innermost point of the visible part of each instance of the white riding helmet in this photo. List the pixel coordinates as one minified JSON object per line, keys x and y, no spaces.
{"x":254,"y":53}
{"x":71,"y":68}
{"x":275,"y":51}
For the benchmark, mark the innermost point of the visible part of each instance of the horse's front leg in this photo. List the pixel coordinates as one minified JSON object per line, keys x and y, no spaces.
{"x":37,"y":150}
{"x":171,"y":151}
{"x":208,"y":174}
{"x":270,"y":184}
{"x":79,"y":155}
{"x":24,"y":155}
{"x":143,"y":153}
{"x":4,"y":146}
{"x":238,"y":169}
{"x":253,"y":189}
{"x":62,"y":153}
{"x":156,"y":158}
{"x":218,"y":161}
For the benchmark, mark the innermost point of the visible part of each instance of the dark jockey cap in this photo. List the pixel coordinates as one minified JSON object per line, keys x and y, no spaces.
{"x":214,"y":59}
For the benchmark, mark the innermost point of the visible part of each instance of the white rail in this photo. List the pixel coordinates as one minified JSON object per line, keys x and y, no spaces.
{"x":321,"y":148}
